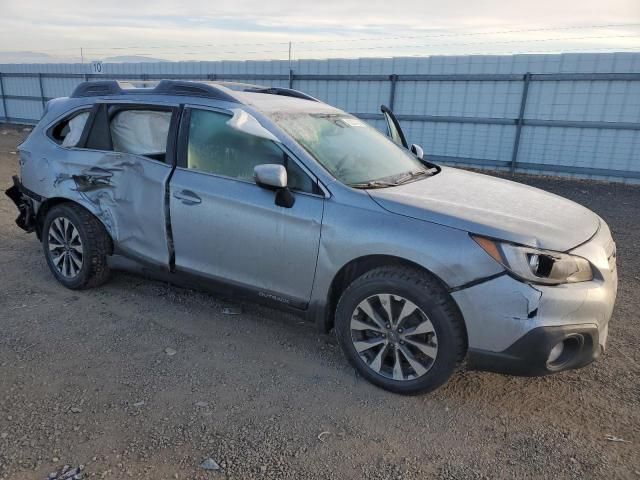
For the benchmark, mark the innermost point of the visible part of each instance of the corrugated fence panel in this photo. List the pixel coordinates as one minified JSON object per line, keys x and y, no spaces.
{"x":20,"y":86}
{"x":465,"y":99}
{"x":352,"y":96}
{"x":581,"y":113}
{"x":21,"y":111}
{"x":581,"y":148}
{"x":59,"y":87}
{"x":463,"y":141}
{"x":599,"y":101}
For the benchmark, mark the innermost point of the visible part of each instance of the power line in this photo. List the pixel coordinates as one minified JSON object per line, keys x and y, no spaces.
{"x":388,"y":47}
{"x":527,"y":52}
{"x":495,"y":53}
{"x":457,"y":34}
{"x":497,"y":42}
{"x":533,"y":30}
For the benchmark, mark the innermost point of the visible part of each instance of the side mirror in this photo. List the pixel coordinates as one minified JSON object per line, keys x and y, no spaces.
{"x":417,"y":151}
{"x":270,"y":175}
{"x":274,"y":177}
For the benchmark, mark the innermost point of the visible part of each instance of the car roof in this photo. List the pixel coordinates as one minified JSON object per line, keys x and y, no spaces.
{"x":269,"y":103}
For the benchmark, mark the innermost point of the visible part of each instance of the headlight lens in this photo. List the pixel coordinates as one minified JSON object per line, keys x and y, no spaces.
{"x":539,"y":266}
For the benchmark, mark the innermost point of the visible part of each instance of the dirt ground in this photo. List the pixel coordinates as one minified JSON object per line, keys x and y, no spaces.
{"x":85,"y":379}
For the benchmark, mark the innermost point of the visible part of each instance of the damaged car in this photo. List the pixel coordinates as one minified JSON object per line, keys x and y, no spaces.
{"x":274,"y":196}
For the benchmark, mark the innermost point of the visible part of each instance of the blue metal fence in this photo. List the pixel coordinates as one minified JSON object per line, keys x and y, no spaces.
{"x":576,"y":114}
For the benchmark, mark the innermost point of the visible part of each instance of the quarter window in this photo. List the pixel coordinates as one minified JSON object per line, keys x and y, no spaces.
{"x":68,"y":131}
{"x":215,"y":147}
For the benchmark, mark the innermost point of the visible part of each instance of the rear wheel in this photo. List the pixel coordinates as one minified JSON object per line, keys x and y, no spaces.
{"x":76,"y":246}
{"x":400,"y":329}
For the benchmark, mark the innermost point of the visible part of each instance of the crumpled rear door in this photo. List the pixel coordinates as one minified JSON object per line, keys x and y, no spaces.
{"x":128,"y":192}
{"x":125,"y":190}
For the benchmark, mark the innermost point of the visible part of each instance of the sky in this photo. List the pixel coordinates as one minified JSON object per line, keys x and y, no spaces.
{"x":74,"y":31}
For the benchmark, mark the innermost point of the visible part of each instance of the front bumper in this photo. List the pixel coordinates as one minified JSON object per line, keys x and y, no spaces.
{"x":529,"y":355}
{"x":513,"y":326}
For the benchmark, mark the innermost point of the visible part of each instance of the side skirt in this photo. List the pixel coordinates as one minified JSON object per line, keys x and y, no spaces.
{"x":212,"y":285}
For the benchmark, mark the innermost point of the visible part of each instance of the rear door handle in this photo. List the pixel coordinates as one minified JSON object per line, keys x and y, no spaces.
{"x":187,"y":197}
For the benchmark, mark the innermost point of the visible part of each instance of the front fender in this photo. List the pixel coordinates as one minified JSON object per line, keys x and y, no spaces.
{"x":349,"y":233}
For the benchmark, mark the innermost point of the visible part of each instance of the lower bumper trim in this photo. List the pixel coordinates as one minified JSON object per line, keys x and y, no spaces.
{"x":529,"y":355}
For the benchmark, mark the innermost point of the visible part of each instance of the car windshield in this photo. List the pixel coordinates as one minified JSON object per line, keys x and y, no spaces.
{"x":351,"y":150}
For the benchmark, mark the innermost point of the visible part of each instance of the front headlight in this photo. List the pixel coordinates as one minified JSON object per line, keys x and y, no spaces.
{"x":538,"y":266}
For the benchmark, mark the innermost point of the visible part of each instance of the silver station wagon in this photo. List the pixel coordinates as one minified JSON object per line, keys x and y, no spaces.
{"x":272,"y":195}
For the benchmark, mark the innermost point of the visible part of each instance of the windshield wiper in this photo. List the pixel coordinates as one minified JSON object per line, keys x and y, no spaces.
{"x":373,"y":184}
{"x":410,"y":176}
{"x":397,"y":180}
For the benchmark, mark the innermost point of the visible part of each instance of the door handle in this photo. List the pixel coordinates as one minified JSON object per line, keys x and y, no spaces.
{"x":187,"y":197}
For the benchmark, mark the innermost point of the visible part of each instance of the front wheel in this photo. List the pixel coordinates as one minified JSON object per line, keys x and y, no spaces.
{"x":76,"y":246}
{"x":400,"y":329}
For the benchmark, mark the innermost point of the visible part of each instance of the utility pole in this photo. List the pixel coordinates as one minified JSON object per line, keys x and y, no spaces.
{"x":290,"y":70}
{"x":81,"y":55}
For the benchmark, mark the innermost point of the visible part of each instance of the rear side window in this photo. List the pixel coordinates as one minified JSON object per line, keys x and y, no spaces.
{"x":215,"y":147}
{"x":141,"y":132}
{"x":138,"y":130}
{"x":67,"y":132}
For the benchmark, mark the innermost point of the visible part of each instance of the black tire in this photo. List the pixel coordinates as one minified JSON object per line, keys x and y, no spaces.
{"x":427,"y":294}
{"x":95,"y":244}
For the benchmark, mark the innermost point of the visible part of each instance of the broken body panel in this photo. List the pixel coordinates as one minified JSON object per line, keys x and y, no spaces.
{"x":230,"y":231}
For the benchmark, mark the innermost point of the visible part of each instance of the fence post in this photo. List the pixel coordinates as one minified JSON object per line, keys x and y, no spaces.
{"x":520,"y":121}
{"x":290,"y":78}
{"x":392,"y":94}
{"x":42,"y":99}
{"x":4,"y":101}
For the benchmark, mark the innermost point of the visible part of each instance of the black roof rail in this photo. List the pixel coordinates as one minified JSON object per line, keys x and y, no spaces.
{"x":193,"y":89}
{"x":287,"y":92}
{"x":186,"y":88}
{"x":95,"y":89}
{"x":166,"y":87}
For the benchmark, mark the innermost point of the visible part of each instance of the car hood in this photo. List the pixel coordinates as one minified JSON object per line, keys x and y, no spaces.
{"x":493,"y":207}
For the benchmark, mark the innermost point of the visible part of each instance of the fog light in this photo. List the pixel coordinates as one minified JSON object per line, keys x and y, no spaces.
{"x":565,"y":352}
{"x":555,"y":352}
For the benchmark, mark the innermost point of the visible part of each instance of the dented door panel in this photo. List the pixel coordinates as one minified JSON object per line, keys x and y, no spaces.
{"x":126,"y":192}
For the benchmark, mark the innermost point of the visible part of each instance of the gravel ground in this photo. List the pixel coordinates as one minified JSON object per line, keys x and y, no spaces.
{"x":85,"y":378}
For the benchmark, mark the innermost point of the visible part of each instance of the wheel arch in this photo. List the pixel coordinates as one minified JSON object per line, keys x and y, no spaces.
{"x":357,"y":267}
{"x":49,"y":203}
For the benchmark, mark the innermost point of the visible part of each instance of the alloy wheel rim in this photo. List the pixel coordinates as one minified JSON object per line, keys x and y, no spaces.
{"x":65,"y":247}
{"x":393,"y":337}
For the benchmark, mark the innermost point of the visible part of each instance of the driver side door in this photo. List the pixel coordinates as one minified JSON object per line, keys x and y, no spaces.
{"x":227,"y":228}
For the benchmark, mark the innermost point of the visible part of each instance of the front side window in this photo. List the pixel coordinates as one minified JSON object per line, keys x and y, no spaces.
{"x":351,"y":150}
{"x":215,"y":147}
